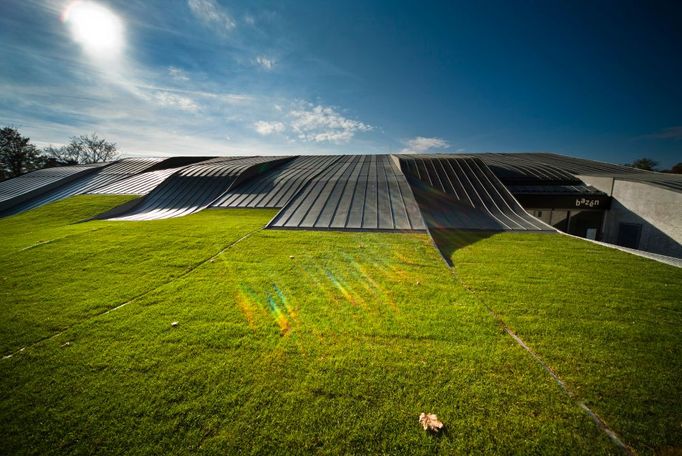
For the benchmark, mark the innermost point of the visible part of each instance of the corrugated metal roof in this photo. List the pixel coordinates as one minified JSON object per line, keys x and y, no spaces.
{"x":105,"y":175}
{"x":361,"y":192}
{"x":575,"y":165}
{"x":193,"y":188}
{"x":514,"y":170}
{"x":357,"y":192}
{"x":17,"y":190}
{"x":463,"y":193}
{"x":145,"y":182}
{"x":583,"y":167}
{"x":276,"y":188}
{"x":554,"y":189}
{"x":140,"y":184}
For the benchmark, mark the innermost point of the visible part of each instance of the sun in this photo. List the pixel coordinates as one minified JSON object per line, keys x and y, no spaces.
{"x":95,"y":28}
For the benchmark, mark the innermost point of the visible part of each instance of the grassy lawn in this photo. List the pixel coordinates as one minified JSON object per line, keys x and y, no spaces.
{"x":609,"y":323}
{"x":335,"y":350}
{"x":297,"y":341}
{"x":56,"y":272}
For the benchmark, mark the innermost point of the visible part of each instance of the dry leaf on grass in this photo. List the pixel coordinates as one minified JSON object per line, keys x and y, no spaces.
{"x":430,"y":422}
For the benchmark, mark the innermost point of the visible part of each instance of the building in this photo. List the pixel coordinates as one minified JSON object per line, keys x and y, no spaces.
{"x":491,"y":192}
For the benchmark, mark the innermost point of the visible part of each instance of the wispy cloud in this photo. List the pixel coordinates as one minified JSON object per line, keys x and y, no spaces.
{"x":176,"y":101}
{"x":421,"y":144}
{"x":223,"y":97}
{"x":674,"y":133}
{"x":178,"y":74}
{"x":212,"y":14}
{"x":267,"y":128}
{"x":265,"y":62}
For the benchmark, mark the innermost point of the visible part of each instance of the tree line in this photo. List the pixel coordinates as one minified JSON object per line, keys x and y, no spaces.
{"x":18,"y":156}
{"x":649,"y":164}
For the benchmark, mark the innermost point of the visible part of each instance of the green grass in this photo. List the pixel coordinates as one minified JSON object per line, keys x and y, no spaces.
{"x":336,"y":350}
{"x":58,"y":272}
{"x":607,"y":322}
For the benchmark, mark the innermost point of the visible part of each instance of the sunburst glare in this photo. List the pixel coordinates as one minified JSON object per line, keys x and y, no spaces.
{"x":98,"y":30}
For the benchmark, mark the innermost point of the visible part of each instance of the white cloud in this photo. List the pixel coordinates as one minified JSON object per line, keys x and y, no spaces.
{"x":421,"y":144}
{"x":323,"y":124}
{"x":267,"y":128}
{"x":176,"y":101}
{"x":209,"y":12}
{"x":265,"y":62}
{"x":306,"y":122}
{"x":177,"y":74}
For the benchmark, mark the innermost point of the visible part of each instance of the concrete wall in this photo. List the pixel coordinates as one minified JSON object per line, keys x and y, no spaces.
{"x":657,"y":210}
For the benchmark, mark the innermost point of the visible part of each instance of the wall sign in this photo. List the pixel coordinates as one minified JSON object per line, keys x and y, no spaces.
{"x":586,"y":202}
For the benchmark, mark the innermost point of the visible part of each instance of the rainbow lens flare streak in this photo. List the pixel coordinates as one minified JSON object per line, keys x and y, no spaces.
{"x":276,"y":305}
{"x":343,"y":288}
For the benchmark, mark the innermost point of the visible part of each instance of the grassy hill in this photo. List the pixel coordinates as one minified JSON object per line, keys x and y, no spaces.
{"x":297,"y":341}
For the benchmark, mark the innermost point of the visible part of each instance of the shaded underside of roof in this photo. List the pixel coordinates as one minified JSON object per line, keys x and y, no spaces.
{"x":355,"y":192}
{"x":463,"y":193}
{"x":177,"y":162}
{"x":103,"y":176}
{"x":193,"y":188}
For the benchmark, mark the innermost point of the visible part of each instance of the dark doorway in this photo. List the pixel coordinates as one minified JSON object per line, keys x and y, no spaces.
{"x":586,"y":224}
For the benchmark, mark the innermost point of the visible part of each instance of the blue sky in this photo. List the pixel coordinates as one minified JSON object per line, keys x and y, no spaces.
{"x":594,"y":79}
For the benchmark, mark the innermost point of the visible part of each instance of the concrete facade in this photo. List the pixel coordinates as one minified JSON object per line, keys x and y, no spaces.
{"x":657,"y":210}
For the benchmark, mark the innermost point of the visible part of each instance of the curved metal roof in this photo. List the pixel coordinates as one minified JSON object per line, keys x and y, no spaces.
{"x":106,"y":174}
{"x":22,"y":188}
{"x":356,"y":192}
{"x":195,"y":187}
{"x":140,"y":184}
{"x":276,"y":188}
{"x":583,"y":167}
{"x":514,"y":170}
{"x":345,"y":192}
{"x":143,"y":183}
{"x":462,"y":192}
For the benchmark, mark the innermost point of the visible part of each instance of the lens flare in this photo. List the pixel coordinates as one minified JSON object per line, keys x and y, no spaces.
{"x":95,"y":28}
{"x":277,"y":307}
{"x":245,"y":306}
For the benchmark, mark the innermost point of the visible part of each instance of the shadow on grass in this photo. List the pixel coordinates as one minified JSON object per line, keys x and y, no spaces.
{"x":443,"y":433}
{"x":450,"y":240}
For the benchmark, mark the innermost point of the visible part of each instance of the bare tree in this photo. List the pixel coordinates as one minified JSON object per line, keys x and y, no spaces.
{"x":90,"y":149}
{"x":17,"y":154}
{"x":58,"y":156}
